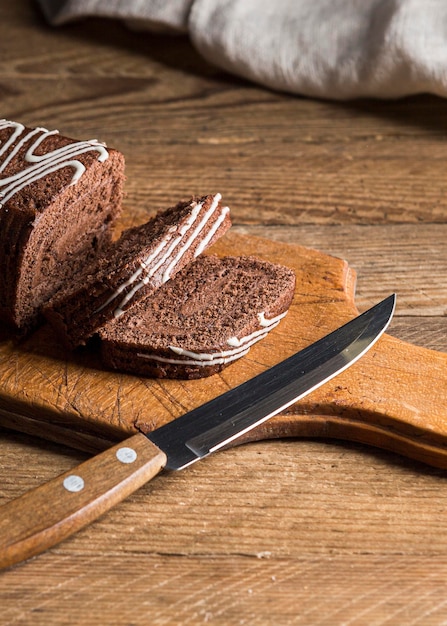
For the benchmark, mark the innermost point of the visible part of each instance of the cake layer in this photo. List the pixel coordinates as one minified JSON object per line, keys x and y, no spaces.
{"x":142,"y":260}
{"x":59,"y":199}
{"x":205,"y":318}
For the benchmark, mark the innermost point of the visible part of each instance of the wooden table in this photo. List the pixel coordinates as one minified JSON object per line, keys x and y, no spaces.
{"x":275,"y":532}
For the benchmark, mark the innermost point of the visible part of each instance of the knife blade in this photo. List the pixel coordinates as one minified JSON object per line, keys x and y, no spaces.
{"x":48,"y":514}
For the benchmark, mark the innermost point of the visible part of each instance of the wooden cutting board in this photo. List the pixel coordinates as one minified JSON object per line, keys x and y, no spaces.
{"x":395,"y":397}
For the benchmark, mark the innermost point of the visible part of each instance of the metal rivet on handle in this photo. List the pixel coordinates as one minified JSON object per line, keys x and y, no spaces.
{"x":73,"y":483}
{"x":126,"y":455}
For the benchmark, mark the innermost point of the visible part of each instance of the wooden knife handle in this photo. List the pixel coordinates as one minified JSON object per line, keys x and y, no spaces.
{"x":48,"y":514}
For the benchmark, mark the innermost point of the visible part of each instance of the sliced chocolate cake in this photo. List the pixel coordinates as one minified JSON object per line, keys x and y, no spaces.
{"x":206,"y":317}
{"x":135,"y":266}
{"x":58,"y":200}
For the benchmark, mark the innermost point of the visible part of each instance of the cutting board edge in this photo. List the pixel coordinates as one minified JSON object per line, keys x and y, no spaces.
{"x":84,"y":440}
{"x":320,"y":428}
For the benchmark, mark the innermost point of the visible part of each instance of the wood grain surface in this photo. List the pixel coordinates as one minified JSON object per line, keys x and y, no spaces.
{"x":290,"y":531}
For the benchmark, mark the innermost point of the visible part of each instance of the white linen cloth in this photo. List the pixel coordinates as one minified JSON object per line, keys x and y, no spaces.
{"x":337,"y":49}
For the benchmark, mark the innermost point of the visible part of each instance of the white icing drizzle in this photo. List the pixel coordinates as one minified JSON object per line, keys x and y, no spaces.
{"x":173,"y":242}
{"x":165,"y":249}
{"x":143,"y":266}
{"x":266,"y":324}
{"x":41,"y":165}
{"x":205,"y":241}
{"x":193,"y":236}
{"x":19,"y":128}
{"x":264,"y":321}
{"x":219,"y":360}
{"x":202,"y":359}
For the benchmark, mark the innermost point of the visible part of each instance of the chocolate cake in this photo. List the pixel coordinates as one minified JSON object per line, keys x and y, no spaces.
{"x":136,"y":265}
{"x":206,"y":317}
{"x":58,"y":201}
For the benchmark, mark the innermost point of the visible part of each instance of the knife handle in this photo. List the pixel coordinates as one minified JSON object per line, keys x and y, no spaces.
{"x":48,"y":514}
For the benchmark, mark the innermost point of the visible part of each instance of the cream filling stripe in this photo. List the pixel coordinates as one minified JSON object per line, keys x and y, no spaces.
{"x":42,"y":164}
{"x":223,"y":356}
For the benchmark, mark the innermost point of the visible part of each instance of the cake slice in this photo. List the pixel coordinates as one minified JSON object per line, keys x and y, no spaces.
{"x":136,"y":265}
{"x":59,"y":199}
{"x":206,"y":317}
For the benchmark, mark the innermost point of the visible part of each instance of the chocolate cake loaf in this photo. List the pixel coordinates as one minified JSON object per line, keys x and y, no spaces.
{"x":136,"y":265}
{"x":206,"y":317}
{"x":58,"y":201}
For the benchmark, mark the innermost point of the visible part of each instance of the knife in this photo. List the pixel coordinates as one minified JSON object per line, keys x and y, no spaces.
{"x":48,"y":514}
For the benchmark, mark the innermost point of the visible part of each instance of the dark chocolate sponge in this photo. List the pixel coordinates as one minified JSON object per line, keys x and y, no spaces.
{"x":136,"y":265}
{"x":58,"y":201}
{"x":200,"y":321}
